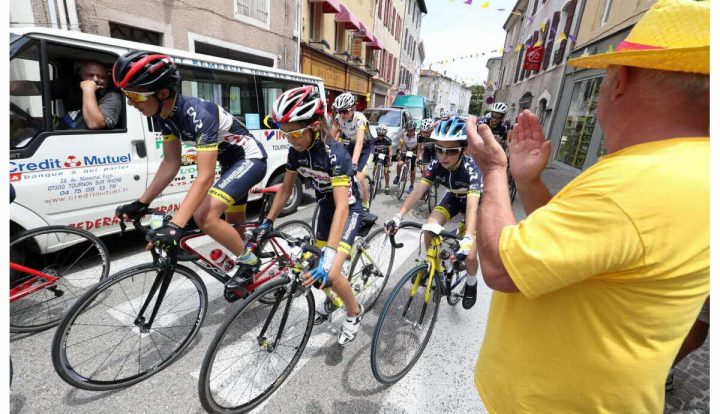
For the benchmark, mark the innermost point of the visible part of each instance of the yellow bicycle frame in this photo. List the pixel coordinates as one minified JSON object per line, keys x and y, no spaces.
{"x":435,"y":265}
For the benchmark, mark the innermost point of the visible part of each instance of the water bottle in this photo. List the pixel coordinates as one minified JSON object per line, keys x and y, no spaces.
{"x":220,"y":258}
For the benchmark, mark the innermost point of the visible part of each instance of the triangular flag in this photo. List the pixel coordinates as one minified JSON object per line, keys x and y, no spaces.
{"x":552,"y":31}
{"x":518,"y":47}
{"x":485,"y":5}
{"x":542,"y":26}
{"x":611,"y":49}
{"x":469,"y":2}
{"x":538,"y":43}
{"x":573,"y":38}
{"x":531,"y":19}
{"x":562,"y":36}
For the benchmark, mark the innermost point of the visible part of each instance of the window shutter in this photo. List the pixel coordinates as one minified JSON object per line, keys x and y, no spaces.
{"x":550,"y":44}
{"x":568,"y":24}
{"x":380,"y":6}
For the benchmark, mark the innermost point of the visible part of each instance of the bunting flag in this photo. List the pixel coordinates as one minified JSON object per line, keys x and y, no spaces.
{"x":573,"y":38}
{"x":469,"y":2}
{"x":538,"y":43}
{"x":485,"y":5}
{"x":518,"y":47}
{"x":542,"y":27}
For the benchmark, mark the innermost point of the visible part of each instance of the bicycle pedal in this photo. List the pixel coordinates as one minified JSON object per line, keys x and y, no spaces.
{"x":233,"y":295}
{"x":320,"y":319}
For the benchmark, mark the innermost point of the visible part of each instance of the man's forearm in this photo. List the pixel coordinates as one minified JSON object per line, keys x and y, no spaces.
{"x":495,"y":215}
{"x":533,"y":194}
{"x":92,"y":114}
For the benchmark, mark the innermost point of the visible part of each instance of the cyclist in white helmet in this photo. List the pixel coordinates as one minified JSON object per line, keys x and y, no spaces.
{"x":461,"y":176}
{"x":444,"y":114}
{"x":351,"y":128}
{"x":495,"y":122}
{"x":427,"y":147}
{"x":383,"y":145}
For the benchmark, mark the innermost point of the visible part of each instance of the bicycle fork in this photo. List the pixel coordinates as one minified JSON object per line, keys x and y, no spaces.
{"x":162,"y":281}
{"x":261,"y":338}
{"x":431,"y":255}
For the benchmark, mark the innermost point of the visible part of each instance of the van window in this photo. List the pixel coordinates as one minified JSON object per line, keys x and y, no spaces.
{"x":272,"y":88}
{"x":388,"y":117}
{"x":236,"y":93}
{"x":26,"y":108}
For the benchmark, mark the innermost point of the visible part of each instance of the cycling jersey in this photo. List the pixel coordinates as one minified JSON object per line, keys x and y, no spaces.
{"x":382,"y":146}
{"x":428,"y":149}
{"x":242,"y":158}
{"x":328,"y":165}
{"x":500,"y":129}
{"x":211,"y":128}
{"x":410,"y":142}
{"x":463,"y":180}
{"x":350,"y":128}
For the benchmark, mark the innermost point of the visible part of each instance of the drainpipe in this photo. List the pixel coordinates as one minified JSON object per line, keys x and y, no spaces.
{"x":53,"y":14}
{"x":72,"y":15}
{"x":62,"y":15}
{"x":299,"y":33}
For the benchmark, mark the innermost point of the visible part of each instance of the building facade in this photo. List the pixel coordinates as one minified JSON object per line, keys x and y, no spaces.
{"x":577,"y":138}
{"x":387,"y":31}
{"x":263,"y":32}
{"x":551,"y":25}
{"x":444,"y":93}
{"x":410,"y":56}
{"x":492,"y":84}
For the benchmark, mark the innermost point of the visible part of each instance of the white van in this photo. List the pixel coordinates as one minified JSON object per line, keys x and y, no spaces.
{"x":78,"y":177}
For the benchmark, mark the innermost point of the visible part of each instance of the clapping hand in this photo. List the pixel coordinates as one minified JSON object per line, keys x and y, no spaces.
{"x":529,"y":151}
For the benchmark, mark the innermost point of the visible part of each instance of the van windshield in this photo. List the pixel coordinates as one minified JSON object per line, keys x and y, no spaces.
{"x":388,"y":117}
{"x":417,"y":113}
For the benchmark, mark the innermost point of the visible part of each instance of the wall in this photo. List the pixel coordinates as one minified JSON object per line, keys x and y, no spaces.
{"x":623,"y":14}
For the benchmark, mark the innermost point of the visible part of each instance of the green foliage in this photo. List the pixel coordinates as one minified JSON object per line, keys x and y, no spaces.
{"x":477,"y":100}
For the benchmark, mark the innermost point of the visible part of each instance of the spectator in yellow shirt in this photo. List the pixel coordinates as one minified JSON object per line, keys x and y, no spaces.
{"x":596,"y":290}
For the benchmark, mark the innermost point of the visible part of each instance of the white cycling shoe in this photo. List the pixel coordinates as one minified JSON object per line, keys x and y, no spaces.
{"x":350,"y":327}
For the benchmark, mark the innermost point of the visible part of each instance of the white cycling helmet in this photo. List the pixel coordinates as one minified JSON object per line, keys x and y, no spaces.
{"x":426,"y":124}
{"x":298,"y":104}
{"x":444,"y":114}
{"x":381,"y":129}
{"x":345,"y":100}
{"x":499,"y":107}
{"x":452,"y":129}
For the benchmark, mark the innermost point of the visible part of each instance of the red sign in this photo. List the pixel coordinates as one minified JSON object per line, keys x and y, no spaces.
{"x":533,"y":58}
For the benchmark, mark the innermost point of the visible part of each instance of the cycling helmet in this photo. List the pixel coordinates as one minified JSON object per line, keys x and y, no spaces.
{"x":381,"y":129}
{"x":427,"y":124}
{"x":452,"y":129}
{"x":145,"y":70}
{"x":444,"y":114}
{"x":345,"y":100}
{"x":298,"y":104}
{"x":499,"y":107}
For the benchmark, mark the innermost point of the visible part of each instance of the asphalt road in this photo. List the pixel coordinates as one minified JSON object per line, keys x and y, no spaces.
{"x":327,"y":379}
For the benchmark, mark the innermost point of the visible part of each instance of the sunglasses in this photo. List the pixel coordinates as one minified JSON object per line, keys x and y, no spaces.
{"x":448,"y":151}
{"x":498,"y":117}
{"x":295,"y":133}
{"x":138,"y":96}
{"x":343,"y":111}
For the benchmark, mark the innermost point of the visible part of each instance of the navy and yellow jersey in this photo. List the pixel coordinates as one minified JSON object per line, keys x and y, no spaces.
{"x":383,"y":144}
{"x":210,"y":128}
{"x":500,"y":129}
{"x":463,"y":180}
{"x":328,"y":165}
{"x":350,"y":128}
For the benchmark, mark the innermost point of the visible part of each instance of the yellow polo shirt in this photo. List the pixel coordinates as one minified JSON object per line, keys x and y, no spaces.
{"x":612,"y":273}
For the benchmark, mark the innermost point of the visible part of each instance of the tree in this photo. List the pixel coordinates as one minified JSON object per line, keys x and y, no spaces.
{"x":477,"y":100}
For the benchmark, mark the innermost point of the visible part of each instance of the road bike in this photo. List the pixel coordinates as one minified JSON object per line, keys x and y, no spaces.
{"x":403,"y":176}
{"x":50,"y":268}
{"x":256,"y":349}
{"x":410,"y":311}
{"x":378,"y":174}
{"x":141,"y":319}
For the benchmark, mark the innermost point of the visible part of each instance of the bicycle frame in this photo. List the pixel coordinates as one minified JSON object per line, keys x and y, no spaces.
{"x":27,"y":287}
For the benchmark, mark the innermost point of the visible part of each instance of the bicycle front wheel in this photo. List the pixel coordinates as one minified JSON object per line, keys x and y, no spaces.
{"x":76,"y":257}
{"x":404,"y":327}
{"x":403,"y":181}
{"x":379,"y":169}
{"x":255,"y":350}
{"x":103,"y":343}
{"x":371,"y":267}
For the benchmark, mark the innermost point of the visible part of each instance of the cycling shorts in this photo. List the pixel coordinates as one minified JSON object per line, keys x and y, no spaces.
{"x":352,"y":225}
{"x":364,"y":154}
{"x":451,"y":205}
{"x":235,"y":182}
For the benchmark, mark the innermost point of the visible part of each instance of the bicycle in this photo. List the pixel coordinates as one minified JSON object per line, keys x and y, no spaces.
{"x":378,"y":172}
{"x":405,"y":319}
{"x":141,"y":319}
{"x":50,"y":267}
{"x":403,"y":176}
{"x":256,"y":349}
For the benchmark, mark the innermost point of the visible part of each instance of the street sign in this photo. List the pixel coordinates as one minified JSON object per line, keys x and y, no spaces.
{"x":533,"y":58}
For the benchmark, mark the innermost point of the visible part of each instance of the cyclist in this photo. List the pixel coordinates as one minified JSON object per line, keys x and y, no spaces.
{"x":427,"y":148}
{"x":350,"y":127}
{"x":496,"y":124}
{"x":151,"y":84}
{"x":461,"y":176}
{"x":444,"y":115}
{"x":408,"y":144}
{"x":383,"y":145}
{"x":316,"y":155}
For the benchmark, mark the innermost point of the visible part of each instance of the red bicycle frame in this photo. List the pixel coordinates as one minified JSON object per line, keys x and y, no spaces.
{"x":27,"y":287}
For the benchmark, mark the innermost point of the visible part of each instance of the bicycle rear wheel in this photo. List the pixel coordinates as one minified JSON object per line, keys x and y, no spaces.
{"x":248,"y":360}
{"x":371,"y":267}
{"x":77,"y":257}
{"x":101,"y":345}
{"x":403,"y":181}
{"x":377,"y":178}
{"x":403,"y":328}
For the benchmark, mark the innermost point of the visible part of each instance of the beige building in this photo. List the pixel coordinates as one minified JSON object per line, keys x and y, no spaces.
{"x":257,"y":31}
{"x":442,"y":92}
{"x":492,"y":84}
{"x":577,"y":139}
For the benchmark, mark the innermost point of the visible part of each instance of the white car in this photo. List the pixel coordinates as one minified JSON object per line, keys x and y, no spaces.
{"x":394,"y":118}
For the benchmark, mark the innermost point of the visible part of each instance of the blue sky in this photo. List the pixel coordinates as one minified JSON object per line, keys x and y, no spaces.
{"x":452,"y":29}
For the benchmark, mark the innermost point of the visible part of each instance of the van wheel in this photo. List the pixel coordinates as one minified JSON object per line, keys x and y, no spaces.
{"x":295,"y":198}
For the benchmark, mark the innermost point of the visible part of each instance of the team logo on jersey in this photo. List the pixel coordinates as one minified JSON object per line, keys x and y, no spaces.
{"x":198,"y":122}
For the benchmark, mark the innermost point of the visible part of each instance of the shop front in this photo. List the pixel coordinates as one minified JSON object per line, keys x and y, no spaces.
{"x":337,"y":75}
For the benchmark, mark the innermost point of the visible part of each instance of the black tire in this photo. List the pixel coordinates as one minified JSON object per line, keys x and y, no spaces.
{"x":371,"y":188}
{"x":388,"y":363}
{"x":99,"y":304}
{"x":379,"y":169}
{"x":513,"y":189}
{"x":455,"y":284}
{"x":432,"y":196}
{"x":244,"y":328}
{"x":315,"y":216}
{"x":295,"y":198}
{"x":80,"y":266}
{"x":371,"y":268}
{"x":403,"y":181}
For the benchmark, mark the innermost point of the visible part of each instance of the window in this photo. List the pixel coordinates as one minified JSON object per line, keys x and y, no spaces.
{"x":26,"y":109}
{"x":380,"y":9}
{"x":135,"y":34}
{"x":569,"y":11}
{"x":580,"y":123}
{"x":535,"y":4}
{"x":228,"y":53}
{"x":390,"y":118}
{"x":550,"y":44}
{"x":606,"y":12}
{"x":253,"y":9}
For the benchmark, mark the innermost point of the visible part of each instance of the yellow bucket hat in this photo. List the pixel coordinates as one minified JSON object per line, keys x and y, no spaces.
{"x":674,"y":35}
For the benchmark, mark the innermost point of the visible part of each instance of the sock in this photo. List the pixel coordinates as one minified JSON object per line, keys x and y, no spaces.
{"x":247,"y":258}
{"x":366,"y":204}
{"x":471,"y":280}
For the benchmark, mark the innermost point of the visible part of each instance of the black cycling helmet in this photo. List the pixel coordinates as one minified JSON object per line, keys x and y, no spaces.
{"x":150,"y":71}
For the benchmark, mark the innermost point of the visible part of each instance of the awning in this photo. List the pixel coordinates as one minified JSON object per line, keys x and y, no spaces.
{"x":347,"y":17}
{"x":365,"y":34}
{"x":375,"y":44}
{"x":329,"y":6}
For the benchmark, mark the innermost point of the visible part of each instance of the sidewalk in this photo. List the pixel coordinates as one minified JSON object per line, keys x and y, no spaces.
{"x":691,"y":391}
